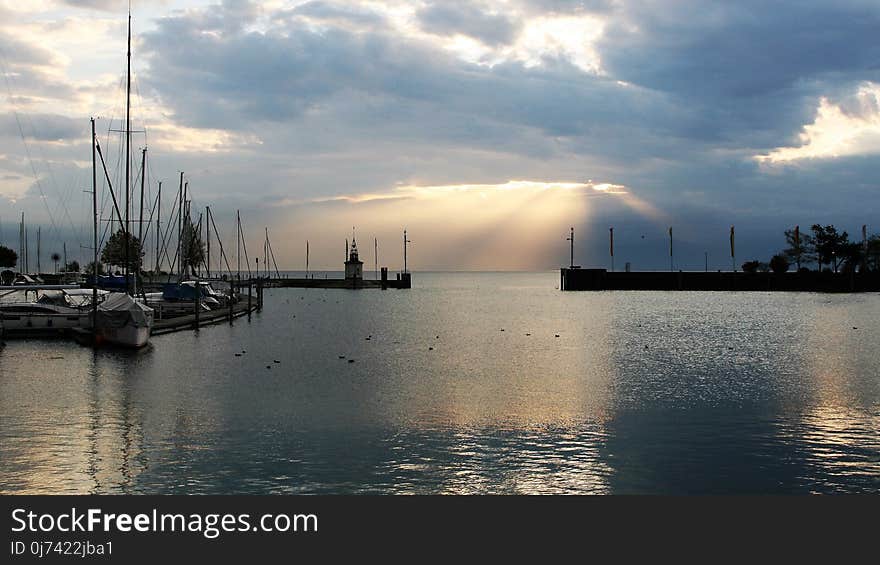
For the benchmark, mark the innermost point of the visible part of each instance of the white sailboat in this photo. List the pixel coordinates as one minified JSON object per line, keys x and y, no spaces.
{"x":119,"y":319}
{"x":122,"y":320}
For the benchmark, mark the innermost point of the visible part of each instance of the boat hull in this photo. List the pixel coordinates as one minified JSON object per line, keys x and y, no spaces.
{"x":126,"y":336}
{"x":39,"y":324}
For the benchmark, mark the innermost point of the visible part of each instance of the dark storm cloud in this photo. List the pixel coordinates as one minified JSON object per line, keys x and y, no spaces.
{"x":754,"y":68}
{"x":19,"y":53}
{"x":468,"y":18}
{"x":234,"y":80}
{"x":41,"y":127}
{"x":708,"y":86}
{"x":742,"y":49}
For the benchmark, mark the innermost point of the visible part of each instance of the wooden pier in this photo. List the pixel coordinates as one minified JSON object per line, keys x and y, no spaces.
{"x":403,"y":281}
{"x":192,"y":321}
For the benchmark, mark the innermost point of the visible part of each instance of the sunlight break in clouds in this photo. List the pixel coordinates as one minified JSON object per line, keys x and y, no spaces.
{"x":837,"y":131}
{"x":503,"y":226}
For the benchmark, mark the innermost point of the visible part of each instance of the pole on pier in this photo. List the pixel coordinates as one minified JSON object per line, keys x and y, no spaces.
{"x":571,"y":239}
{"x":733,"y":249}
{"x":250,"y":298}
{"x":198,"y":303}
{"x":611,"y":235}
{"x":671,"y":260}
{"x":231,"y":298}
{"x":405,"y":242}
{"x":307,"y":258}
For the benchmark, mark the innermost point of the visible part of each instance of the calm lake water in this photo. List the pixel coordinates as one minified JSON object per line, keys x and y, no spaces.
{"x":611,"y":392}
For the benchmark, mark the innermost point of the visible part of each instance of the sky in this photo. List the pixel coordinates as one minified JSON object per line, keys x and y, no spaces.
{"x":486,"y":129}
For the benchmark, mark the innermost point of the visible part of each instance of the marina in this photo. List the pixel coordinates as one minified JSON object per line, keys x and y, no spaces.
{"x":177,"y":316}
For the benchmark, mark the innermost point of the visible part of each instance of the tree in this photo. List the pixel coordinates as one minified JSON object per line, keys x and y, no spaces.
{"x":831,"y":246}
{"x":8,"y":257}
{"x":90,"y":268}
{"x":751,"y":266}
{"x":193,"y":249}
{"x":779,"y":264}
{"x":801,"y":248}
{"x":72,"y":267}
{"x":872,"y":257}
{"x":55,"y":258}
{"x":114,"y":251}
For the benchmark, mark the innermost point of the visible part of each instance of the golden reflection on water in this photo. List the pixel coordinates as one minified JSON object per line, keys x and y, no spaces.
{"x":95,"y":442}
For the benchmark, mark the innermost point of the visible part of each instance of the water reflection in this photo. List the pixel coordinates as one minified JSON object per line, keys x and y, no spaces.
{"x":640,"y":392}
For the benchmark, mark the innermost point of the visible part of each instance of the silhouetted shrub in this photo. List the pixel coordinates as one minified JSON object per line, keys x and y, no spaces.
{"x":751,"y":266}
{"x":779,"y":264}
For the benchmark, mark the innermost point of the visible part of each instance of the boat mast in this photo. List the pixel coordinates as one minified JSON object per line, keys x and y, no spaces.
{"x":94,"y":234}
{"x":141,"y":213}
{"x":127,"y":156}
{"x":158,"y":226}
{"x":238,"y":241}
{"x":208,"y":238}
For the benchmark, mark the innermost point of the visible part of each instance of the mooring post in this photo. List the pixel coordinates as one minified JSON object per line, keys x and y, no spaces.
{"x":198,"y":305}
{"x":231,"y":297}
{"x":250,"y":285}
{"x":260,"y":294}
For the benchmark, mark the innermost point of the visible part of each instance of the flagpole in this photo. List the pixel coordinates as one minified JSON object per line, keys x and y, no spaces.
{"x":732,"y":249}
{"x":611,"y":230}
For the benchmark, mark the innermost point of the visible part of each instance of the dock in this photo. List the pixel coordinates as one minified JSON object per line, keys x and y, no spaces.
{"x":575,"y":278}
{"x":191,"y":321}
{"x":403,"y":281}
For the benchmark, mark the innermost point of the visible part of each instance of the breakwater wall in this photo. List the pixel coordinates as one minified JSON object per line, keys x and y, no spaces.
{"x":601,"y":279}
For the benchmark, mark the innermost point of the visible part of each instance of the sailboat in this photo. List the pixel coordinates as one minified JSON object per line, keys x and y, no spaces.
{"x":119,"y":319}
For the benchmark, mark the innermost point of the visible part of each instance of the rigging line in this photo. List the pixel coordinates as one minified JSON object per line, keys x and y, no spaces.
{"x":272,"y":253}
{"x":24,"y":141}
{"x":110,"y":185}
{"x":220,"y":241}
{"x":150,"y":221}
{"x":247,"y":260}
{"x":166,"y":238}
{"x":47,"y":163}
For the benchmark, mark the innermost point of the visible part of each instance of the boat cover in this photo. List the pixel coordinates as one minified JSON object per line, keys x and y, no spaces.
{"x":119,"y":310}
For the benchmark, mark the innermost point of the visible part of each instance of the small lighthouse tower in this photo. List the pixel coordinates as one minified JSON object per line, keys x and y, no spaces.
{"x":354,"y":267}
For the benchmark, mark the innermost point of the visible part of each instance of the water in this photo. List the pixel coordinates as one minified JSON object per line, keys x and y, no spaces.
{"x":650,"y":392}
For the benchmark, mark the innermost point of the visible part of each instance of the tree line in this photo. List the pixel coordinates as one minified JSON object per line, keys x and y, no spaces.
{"x":114,"y":254}
{"x":824,"y":247}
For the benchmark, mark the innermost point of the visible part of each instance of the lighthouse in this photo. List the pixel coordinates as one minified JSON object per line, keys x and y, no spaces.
{"x":354,"y":267}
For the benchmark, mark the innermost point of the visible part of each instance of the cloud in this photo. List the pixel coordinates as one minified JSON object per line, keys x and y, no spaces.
{"x":328,"y":109}
{"x":335,"y":13}
{"x":468,"y":18}
{"x":850,"y":128}
{"x":42,"y":127}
